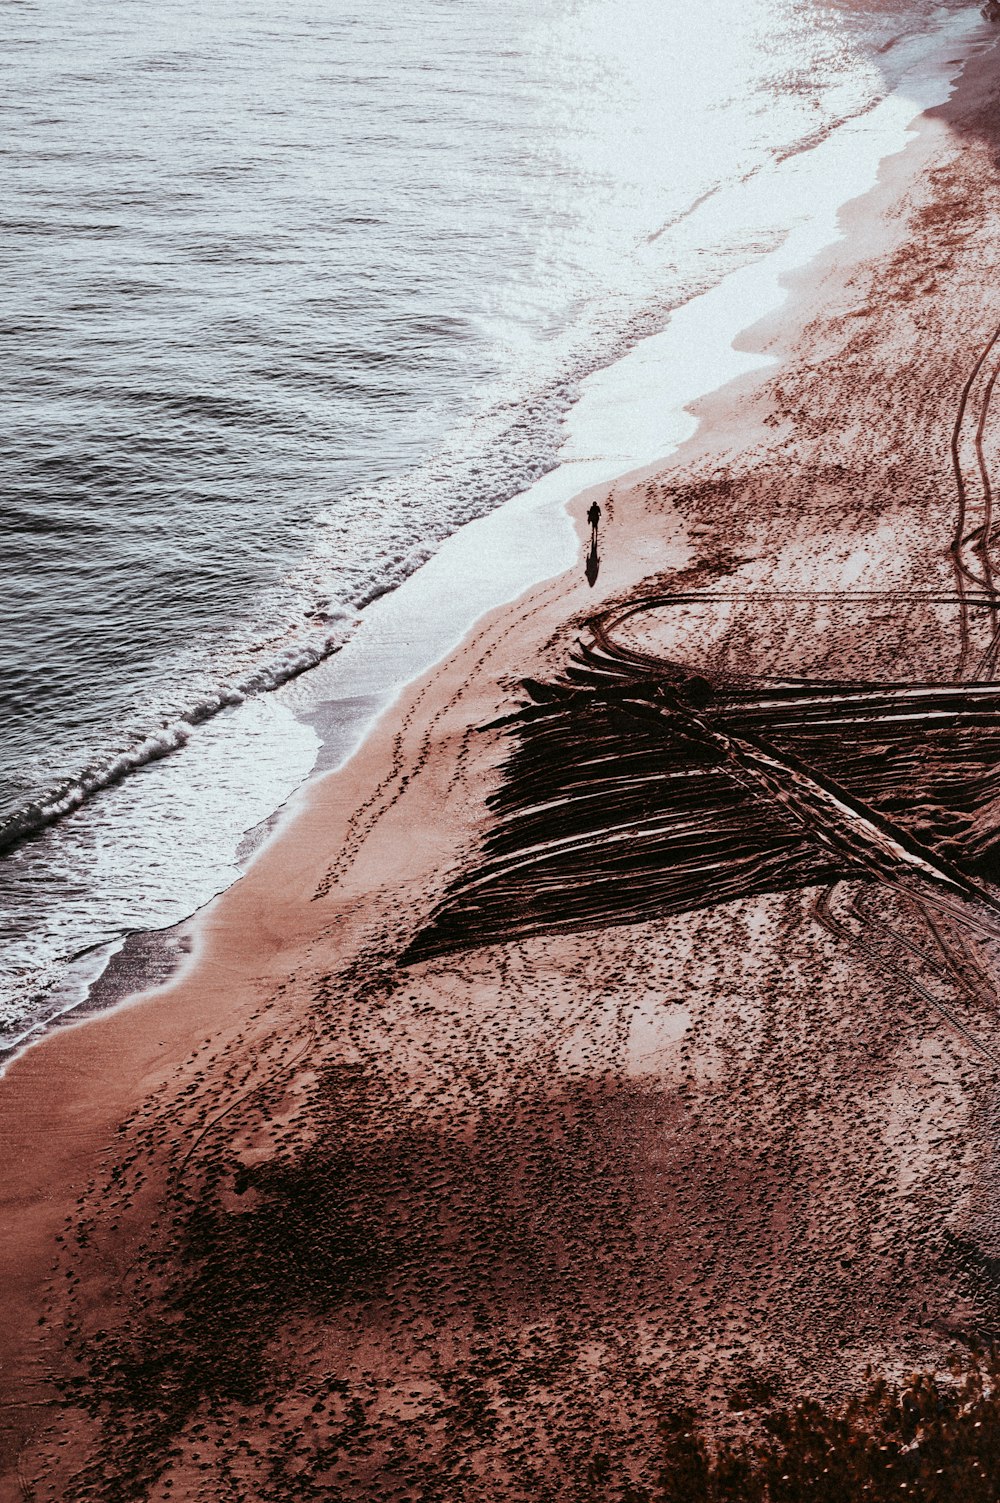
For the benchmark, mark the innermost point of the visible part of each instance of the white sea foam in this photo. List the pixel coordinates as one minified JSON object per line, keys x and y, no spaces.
{"x":152,"y":854}
{"x":294,"y":659}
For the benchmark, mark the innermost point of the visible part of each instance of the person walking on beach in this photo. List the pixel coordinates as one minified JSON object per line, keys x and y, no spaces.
{"x":593,"y":557}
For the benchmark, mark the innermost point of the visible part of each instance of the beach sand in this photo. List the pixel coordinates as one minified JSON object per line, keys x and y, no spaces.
{"x":307,"y":1223}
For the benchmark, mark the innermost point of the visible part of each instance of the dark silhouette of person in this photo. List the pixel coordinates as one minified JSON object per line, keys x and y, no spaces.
{"x":594,"y":515}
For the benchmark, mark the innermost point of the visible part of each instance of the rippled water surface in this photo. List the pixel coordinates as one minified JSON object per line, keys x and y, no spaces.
{"x":286,"y":295}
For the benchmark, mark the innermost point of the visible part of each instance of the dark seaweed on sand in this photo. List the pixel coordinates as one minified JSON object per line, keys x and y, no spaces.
{"x":619,"y":802}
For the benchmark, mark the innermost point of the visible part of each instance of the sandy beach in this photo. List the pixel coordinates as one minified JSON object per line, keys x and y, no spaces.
{"x":546,"y":1079}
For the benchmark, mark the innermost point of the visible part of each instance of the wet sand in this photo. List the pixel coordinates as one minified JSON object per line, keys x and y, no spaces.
{"x":312,"y":1223}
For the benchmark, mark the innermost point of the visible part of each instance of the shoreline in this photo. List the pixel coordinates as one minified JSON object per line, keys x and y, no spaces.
{"x":621,"y":410}
{"x":143,"y":1049}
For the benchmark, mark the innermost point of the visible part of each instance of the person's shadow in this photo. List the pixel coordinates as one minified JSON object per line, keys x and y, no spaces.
{"x":593,"y":564}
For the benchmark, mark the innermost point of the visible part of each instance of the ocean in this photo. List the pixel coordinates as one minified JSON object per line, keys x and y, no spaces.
{"x":288,"y":299}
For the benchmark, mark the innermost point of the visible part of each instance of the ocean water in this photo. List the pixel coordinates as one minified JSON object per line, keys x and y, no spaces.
{"x":287,"y":299}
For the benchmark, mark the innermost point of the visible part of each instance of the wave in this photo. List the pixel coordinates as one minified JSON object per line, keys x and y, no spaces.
{"x":33,"y":818}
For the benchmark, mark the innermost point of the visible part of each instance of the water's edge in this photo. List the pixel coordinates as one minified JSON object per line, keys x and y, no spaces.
{"x":630,"y":415}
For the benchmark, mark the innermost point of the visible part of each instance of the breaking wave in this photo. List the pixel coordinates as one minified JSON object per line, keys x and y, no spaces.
{"x":37,"y":816}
